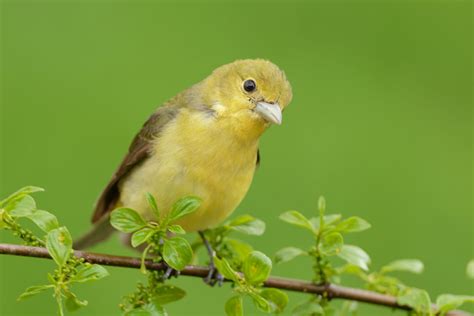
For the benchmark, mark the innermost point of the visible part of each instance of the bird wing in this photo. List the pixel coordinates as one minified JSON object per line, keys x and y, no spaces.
{"x":138,"y":152}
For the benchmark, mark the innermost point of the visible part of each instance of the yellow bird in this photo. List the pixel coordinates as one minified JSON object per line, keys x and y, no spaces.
{"x":202,"y":142}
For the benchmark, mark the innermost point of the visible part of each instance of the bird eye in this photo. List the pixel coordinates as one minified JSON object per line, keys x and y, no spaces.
{"x":250,"y":85}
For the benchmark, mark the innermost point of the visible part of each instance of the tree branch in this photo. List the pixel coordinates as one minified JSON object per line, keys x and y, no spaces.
{"x":332,"y":291}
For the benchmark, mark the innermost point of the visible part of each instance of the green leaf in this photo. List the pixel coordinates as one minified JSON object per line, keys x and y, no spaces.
{"x":470,"y":269}
{"x":73,"y":303}
{"x":152,"y":202}
{"x":235,"y":252}
{"x":447,"y":302}
{"x":261,"y":303}
{"x":322,"y":205}
{"x":298,"y":219}
{"x":177,"y":252}
{"x":288,"y":253}
{"x":141,"y":236}
{"x":126,"y":220}
{"x":234,"y":306}
{"x":238,"y":248}
{"x":352,"y":269}
{"x":33,"y":290}
{"x":184,"y":206}
{"x":355,"y":255}
{"x":349,"y":308}
{"x":138,"y":311}
{"x":257,"y":267}
{"x":147,"y":310}
{"x":384,"y":284}
{"x":89,"y":272}
{"x":331,"y":244}
{"x":277,"y":299}
{"x":44,"y":220}
{"x":22,"y":206}
{"x":308,"y":308}
{"x":248,"y":225}
{"x":176,"y":229}
{"x":167,"y":293}
{"x":328,"y":220}
{"x":225,"y":269}
{"x":417,"y":299}
{"x":352,"y":225}
{"x":59,"y":245}
{"x":18,"y":194}
{"x":155,"y":310}
{"x":408,"y":265}
{"x":2,"y":222}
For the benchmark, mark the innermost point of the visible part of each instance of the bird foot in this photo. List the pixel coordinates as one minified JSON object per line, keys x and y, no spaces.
{"x":213,"y":277}
{"x":169,"y":272}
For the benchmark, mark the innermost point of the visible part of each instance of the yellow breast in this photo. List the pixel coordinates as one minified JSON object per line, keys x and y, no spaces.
{"x":200,"y":155}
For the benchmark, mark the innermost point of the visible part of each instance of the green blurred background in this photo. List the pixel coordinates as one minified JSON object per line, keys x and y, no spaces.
{"x":380,"y":123}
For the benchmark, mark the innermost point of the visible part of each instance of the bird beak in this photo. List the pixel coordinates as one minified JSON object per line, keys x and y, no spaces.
{"x":271,"y":112}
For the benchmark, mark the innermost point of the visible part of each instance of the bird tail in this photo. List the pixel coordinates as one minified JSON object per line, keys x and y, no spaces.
{"x":101,"y":231}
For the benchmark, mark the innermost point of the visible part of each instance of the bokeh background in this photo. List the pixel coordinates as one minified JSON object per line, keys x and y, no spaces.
{"x":380,"y":124}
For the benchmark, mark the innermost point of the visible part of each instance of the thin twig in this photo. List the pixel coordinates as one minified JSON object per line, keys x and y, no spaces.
{"x":332,"y":291}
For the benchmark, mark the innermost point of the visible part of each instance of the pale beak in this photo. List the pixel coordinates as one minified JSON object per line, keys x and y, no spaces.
{"x":271,"y":112}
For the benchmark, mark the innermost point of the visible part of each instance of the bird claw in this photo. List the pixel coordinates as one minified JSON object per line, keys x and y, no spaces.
{"x":169,"y":272}
{"x":214,"y":277}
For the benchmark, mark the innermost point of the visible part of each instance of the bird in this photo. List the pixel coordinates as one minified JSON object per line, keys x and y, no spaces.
{"x":202,"y":142}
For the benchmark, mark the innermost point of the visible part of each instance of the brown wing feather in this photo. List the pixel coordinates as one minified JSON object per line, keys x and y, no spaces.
{"x":138,"y":151}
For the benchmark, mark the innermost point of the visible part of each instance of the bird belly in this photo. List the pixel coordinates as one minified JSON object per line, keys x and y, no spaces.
{"x":204,"y":162}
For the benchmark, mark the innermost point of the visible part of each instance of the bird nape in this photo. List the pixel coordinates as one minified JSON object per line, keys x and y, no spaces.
{"x":202,"y":142}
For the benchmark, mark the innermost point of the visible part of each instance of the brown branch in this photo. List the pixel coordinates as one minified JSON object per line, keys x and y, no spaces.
{"x":331,"y":290}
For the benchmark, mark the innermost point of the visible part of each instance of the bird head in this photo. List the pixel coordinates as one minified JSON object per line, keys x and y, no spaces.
{"x":253,"y":91}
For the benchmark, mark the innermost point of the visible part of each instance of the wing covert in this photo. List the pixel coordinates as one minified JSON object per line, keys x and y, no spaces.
{"x":138,"y":151}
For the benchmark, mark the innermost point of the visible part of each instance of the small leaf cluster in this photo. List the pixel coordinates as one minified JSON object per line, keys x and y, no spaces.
{"x":256,"y":269}
{"x":58,"y":242}
{"x":328,"y":241}
{"x":232,"y":255}
{"x":235,"y":251}
{"x":148,"y":300}
{"x":22,"y":205}
{"x":420,"y":301}
{"x":383,"y":282}
{"x":327,"y":232}
{"x":328,"y":235}
{"x":175,"y":251}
